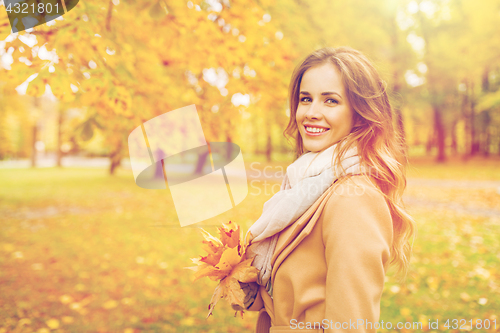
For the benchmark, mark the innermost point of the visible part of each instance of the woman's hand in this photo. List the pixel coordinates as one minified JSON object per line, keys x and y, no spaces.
{"x":250,"y":290}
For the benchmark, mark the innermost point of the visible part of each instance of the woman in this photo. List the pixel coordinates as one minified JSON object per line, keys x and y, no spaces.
{"x":325,"y":240}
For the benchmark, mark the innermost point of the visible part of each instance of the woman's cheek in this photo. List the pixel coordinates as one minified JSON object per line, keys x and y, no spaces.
{"x":299,"y":116}
{"x":302,"y":135}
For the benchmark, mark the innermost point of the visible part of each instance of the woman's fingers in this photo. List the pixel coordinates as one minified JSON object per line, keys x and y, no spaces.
{"x":250,"y":289}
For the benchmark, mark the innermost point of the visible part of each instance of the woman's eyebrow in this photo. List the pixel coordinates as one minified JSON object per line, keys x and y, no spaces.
{"x":326,"y":93}
{"x":330,"y":93}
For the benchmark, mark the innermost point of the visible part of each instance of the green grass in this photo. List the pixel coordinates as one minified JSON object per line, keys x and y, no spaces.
{"x":477,"y":168}
{"x":83,"y":251}
{"x":112,"y":257}
{"x":455,"y":167}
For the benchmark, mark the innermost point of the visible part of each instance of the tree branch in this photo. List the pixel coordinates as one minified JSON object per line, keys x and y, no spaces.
{"x":108,"y":17}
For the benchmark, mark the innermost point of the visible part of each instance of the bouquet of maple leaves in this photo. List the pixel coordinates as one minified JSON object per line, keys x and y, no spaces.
{"x":226,"y":261}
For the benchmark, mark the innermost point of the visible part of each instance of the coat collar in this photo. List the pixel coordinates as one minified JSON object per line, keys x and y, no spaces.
{"x":291,"y":236}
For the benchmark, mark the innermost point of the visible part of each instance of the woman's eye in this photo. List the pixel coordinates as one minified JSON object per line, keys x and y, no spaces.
{"x":305,"y":99}
{"x":332,"y":101}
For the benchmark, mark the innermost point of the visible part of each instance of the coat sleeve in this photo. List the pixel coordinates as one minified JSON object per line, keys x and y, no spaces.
{"x":357,"y":235}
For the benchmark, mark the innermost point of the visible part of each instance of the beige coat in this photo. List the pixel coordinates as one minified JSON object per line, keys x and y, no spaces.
{"x":329,"y":266}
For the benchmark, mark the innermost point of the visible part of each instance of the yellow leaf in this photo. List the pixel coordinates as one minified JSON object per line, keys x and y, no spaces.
{"x":213,"y":258}
{"x":229,"y":259}
{"x":229,"y":289}
{"x":210,"y":238}
{"x":52,"y":323}
{"x":226,"y":261}
{"x":110,"y":304}
{"x":230,"y":234}
{"x":187,"y":321}
{"x":405,"y":312}
{"x":218,"y":294}
{"x":213,"y":247}
{"x":212,"y":272}
{"x":193,"y":268}
{"x":24,"y":321}
{"x":233,"y":293}
{"x":245,"y":272}
{"x":65,"y":299}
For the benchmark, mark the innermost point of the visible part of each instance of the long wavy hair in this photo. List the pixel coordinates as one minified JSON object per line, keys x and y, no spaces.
{"x":382,"y":149}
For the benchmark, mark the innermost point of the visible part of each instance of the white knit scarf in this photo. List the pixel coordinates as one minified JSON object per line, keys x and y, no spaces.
{"x":305,"y":181}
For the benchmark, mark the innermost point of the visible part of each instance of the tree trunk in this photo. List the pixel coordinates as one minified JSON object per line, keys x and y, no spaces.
{"x":33,"y":144}
{"x":468,"y":111}
{"x":485,"y":142}
{"x":202,"y":159}
{"x":269,"y":145}
{"x":395,"y":41}
{"x":115,"y":158}
{"x":59,"y":137}
{"x":229,"y":147}
{"x":472,"y":118}
{"x":485,"y":80}
{"x":453,"y":135}
{"x":115,"y":162}
{"x":430,"y":142}
{"x":400,"y":125}
{"x":465,"y":115}
{"x":433,"y":86}
{"x":440,"y":135}
{"x":486,"y":135}
{"x":36,"y":104}
{"x":415,"y":127}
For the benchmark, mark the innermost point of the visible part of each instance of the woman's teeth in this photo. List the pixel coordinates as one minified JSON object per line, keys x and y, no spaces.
{"x":315,"y":129}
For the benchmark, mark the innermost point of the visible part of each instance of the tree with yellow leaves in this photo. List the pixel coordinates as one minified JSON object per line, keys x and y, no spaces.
{"x":126,"y":62}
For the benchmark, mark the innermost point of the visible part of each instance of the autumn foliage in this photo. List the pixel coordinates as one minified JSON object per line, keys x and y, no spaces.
{"x":226,"y":261}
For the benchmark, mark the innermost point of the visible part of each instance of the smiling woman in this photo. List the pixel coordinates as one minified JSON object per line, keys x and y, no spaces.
{"x":324,"y":115}
{"x":325,"y":241}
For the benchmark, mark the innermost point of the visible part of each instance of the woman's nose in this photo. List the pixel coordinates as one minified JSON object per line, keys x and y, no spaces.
{"x":313,"y":111}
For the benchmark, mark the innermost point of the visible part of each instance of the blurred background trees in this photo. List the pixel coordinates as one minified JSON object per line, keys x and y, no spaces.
{"x":83,"y":82}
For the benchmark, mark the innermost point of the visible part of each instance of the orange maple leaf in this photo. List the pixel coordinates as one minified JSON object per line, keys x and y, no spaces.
{"x":225,"y":261}
{"x":229,"y":287}
{"x":230,"y":234}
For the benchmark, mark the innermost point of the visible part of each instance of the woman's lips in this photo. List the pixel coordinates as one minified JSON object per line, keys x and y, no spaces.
{"x":315,"y":131}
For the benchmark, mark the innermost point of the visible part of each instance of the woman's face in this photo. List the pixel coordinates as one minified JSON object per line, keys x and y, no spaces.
{"x":324,"y":115}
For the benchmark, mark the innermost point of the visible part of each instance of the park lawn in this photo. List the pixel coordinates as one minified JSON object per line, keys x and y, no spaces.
{"x":454,"y":273}
{"x":87,"y":252}
{"x":454,"y":168}
{"x":83,"y":251}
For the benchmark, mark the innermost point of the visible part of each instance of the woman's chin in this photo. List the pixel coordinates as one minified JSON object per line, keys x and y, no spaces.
{"x":315,"y":148}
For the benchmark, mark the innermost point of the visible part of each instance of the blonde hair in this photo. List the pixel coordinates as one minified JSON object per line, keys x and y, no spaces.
{"x":381,"y":148}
